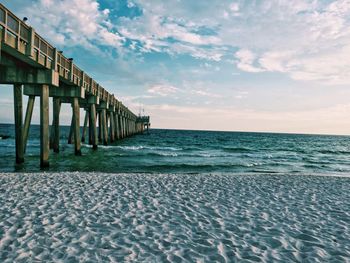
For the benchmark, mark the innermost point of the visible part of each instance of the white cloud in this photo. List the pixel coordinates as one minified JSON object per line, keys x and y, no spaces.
{"x":328,"y":67}
{"x":276,"y":61}
{"x":283,"y":36}
{"x":305,"y":39}
{"x":154,"y":30}
{"x":207,"y":94}
{"x":74,"y":23}
{"x":130,"y":4}
{"x":328,"y":120}
{"x":162,"y":90}
{"x":246,"y":59}
{"x":234,"y":7}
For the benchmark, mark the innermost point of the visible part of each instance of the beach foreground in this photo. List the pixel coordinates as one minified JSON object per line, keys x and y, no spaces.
{"x":171,"y":217}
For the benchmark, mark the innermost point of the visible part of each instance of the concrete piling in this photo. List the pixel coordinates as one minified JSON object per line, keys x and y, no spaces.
{"x":111,"y":132}
{"x":55,"y":139}
{"x":18,"y":110}
{"x":100,"y":134}
{"x":44,"y":126}
{"x":90,"y":128}
{"x":117,"y":126}
{"x":93,"y":128}
{"x":71,"y":131}
{"x":76,"y":126}
{"x":28,"y":119}
{"x":85,"y":126}
{"x":104,"y":127}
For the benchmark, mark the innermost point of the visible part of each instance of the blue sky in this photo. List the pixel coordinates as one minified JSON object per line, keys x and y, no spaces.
{"x":274,"y":65}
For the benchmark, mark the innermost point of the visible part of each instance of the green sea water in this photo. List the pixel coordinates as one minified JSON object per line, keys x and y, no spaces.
{"x":175,"y":151}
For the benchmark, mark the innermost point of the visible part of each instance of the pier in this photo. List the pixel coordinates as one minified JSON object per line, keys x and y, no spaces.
{"x":38,"y":70}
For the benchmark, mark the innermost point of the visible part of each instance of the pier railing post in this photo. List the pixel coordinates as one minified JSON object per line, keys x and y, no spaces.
{"x":18,"y":110}
{"x":44,"y":126}
{"x":76,"y":118}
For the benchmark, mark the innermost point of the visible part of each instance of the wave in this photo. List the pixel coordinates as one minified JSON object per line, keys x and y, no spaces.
{"x":200,"y":167}
{"x":144,"y":147}
{"x":333,"y":152}
{"x":237,"y":150}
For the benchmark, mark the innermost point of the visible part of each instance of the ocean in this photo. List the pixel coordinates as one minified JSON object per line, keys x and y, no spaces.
{"x":178,"y":196}
{"x":181,"y":151}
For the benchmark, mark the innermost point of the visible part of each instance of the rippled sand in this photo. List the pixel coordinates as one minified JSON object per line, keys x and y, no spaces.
{"x":173,"y":218}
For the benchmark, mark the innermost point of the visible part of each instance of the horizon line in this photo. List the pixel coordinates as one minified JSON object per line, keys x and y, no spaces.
{"x":228,"y":131}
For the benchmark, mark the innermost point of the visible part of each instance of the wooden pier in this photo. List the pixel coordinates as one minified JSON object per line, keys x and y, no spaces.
{"x":35,"y":68}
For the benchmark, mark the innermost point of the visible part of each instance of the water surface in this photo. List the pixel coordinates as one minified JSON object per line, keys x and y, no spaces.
{"x":174,"y":151}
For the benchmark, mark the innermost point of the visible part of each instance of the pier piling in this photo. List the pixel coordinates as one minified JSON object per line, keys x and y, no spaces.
{"x":85,"y":125}
{"x":93,"y":126}
{"x":104,"y":127}
{"x":116,"y":125}
{"x":71,"y":131}
{"x":44,"y":126}
{"x":27,"y":120}
{"x":100,"y":126}
{"x":18,"y":110}
{"x":76,"y":126}
{"x":111,"y":120}
{"x":55,"y":139}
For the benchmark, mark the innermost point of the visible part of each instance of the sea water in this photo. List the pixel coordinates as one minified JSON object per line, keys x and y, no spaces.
{"x":179,"y":196}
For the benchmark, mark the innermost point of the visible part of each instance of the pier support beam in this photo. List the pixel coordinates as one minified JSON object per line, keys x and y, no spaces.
{"x":116,"y":126}
{"x":27,"y":121}
{"x":111,"y":131}
{"x":90,"y":127}
{"x":85,"y":125}
{"x":18,"y":108}
{"x":121,"y":126}
{"x":124,"y":127}
{"x":76,"y":126}
{"x":55,"y":139}
{"x":44,"y":127}
{"x":100,"y":126}
{"x":104,"y":127}
{"x":70,"y":136}
{"x":94,"y":139}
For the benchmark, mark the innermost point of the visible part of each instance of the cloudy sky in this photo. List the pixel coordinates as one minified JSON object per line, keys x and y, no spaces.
{"x":274,"y":65}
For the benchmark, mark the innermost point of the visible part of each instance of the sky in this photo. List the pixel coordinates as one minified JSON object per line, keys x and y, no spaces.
{"x":233,"y":65}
